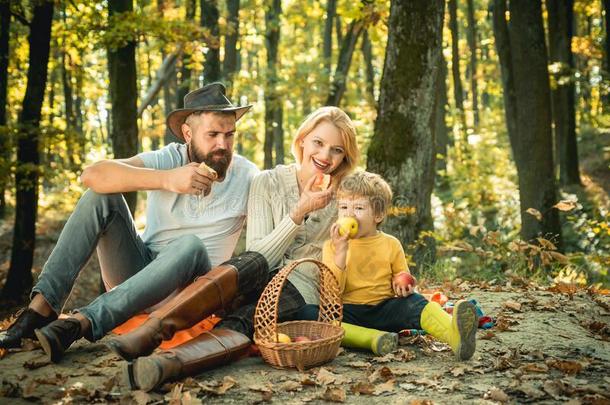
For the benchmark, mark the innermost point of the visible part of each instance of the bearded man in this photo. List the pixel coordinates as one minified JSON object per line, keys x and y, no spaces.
{"x":194,"y":217}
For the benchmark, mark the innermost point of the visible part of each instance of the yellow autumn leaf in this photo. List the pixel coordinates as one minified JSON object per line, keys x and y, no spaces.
{"x":535,"y":213}
{"x":565,"y":205}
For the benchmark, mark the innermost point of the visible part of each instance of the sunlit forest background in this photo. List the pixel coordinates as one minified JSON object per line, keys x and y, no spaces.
{"x":288,"y":58}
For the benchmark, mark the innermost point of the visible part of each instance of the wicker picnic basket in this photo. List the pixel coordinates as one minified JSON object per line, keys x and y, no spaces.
{"x":326,"y":331}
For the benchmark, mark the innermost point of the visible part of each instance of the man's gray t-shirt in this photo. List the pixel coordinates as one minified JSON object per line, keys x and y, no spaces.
{"x":217,"y":220}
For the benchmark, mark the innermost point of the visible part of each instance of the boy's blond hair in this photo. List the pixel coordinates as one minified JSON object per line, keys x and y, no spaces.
{"x":368,"y":185}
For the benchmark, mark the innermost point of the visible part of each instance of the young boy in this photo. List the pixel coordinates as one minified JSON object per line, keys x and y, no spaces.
{"x":366,"y":266}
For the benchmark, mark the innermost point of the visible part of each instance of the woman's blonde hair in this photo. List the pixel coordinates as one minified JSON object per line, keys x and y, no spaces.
{"x":344,"y":124}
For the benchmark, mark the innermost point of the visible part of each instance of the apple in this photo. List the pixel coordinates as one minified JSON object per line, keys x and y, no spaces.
{"x":283,"y":338}
{"x":404,"y":279}
{"x":302,"y":339}
{"x":322,"y":181}
{"x":348,"y":225}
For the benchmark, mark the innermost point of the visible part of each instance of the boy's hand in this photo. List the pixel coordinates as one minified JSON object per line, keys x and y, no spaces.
{"x":340,"y":244}
{"x":401,"y":290}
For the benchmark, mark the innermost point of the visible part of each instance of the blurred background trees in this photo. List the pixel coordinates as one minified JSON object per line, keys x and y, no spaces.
{"x":482,"y":114}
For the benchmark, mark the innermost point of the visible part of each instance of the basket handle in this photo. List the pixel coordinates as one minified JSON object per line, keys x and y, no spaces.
{"x":265,"y":317}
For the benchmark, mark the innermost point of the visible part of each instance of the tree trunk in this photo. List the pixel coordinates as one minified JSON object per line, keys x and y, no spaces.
{"x":338,"y":85}
{"x":184,"y":84}
{"x":458,"y":93}
{"x":5,"y":24}
{"x":123,"y":94}
{"x":533,"y":144}
{"x":402,"y":147}
{"x":272,"y":100}
{"x":229,"y":63}
{"x":503,"y":49}
{"x":606,"y":3}
{"x":331,"y":12}
{"x":367,"y":53}
{"x":441,"y":132}
{"x":209,"y":20}
{"x":472,"y":44}
{"x":19,"y":278}
{"x":560,"y":17}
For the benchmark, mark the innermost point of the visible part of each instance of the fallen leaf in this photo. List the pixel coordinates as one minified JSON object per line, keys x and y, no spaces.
{"x":487,"y":335}
{"x":530,"y":390}
{"x":363,"y":388}
{"x":334,"y":394}
{"x":535,"y":213}
{"x":512,"y":305}
{"x":567,"y":366}
{"x":404,"y":355}
{"x":496,"y":394}
{"x":141,"y":397}
{"x":458,"y":371}
{"x":535,"y":368}
{"x":34,"y":364}
{"x":28,"y":391}
{"x":387,"y":386}
{"x":383,"y":373}
{"x":359,"y":364}
{"x":555,"y":388}
{"x":217,"y":388}
{"x":290,"y":386}
{"x":565,"y":205}
{"x":259,"y":388}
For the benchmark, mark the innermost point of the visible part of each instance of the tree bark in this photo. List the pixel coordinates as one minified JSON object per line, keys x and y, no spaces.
{"x":184,"y":84}
{"x":458,"y":92}
{"x":348,"y":45}
{"x":229,"y":63}
{"x":19,"y":278}
{"x":441,"y":132}
{"x":367,"y":53}
{"x":273,"y":103}
{"x":123,"y":94}
{"x":331,"y":12}
{"x":402,"y":147}
{"x":472,"y":44}
{"x":606,"y":3}
{"x":560,"y":15}
{"x":209,"y":20}
{"x":5,"y":24}
{"x":533,"y":145}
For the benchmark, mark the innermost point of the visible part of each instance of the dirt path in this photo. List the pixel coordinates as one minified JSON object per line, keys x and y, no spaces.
{"x":548,"y":347}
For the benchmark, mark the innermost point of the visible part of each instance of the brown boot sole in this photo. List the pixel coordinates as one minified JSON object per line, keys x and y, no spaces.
{"x":115,"y":347}
{"x":467,"y":323}
{"x":142,"y":374}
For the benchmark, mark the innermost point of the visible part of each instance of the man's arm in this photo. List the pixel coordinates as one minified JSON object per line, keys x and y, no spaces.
{"x":125,"y":175}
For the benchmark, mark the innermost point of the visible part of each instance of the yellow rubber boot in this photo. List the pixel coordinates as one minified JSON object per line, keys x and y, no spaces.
{"x":459,"y":330}
{"x":377,"y":341}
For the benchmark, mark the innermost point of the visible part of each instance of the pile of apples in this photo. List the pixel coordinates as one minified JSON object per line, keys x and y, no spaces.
{"x":283,"y":338}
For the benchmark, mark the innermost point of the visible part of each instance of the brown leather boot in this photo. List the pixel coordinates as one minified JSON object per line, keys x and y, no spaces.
{"x":208,"y":350}
{"x":207,"y":294}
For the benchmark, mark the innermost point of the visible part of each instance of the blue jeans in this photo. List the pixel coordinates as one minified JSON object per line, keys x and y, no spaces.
{"x":135,"y":277}
{"x":391,"y":315}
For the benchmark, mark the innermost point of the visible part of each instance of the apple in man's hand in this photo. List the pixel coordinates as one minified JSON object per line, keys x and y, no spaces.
{"x":348,"y":225}
{"x":404,"y":280}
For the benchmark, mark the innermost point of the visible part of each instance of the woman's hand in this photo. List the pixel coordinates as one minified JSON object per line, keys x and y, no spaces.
{"x":310,"y":201}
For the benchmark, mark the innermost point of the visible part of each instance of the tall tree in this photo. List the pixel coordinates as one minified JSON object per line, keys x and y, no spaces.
{"x":441,"y":133}
{"x":19,"y":278}
{"x":458,"y":92}
{"x":123,"y":90}
{"x":402,"y":147}
{"x":331,"y":12}
{"x":560,"y":15}
{"x":229,"y":63}
{"x":367,"y":53}
{"x":184,"y":84}
{"x":170,"y":84}
{"x":209,"y":20}
{"x":338,"y":85}
{"x":531,"y":140}
{"x":5,"y":21}
{"x":273,"y":104}
{"x":472,"y":44}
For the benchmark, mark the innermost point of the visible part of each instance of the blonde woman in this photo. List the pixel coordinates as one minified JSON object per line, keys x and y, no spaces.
{"x":289,"y":217}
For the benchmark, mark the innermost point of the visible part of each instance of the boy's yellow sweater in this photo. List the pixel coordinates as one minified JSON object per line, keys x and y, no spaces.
{"x":371,"y":264}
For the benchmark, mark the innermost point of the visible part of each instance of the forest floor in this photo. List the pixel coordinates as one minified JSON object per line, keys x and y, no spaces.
{"x":550,"y":344}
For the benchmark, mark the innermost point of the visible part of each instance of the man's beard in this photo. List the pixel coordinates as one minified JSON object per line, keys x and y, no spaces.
{"x":219,"y":160}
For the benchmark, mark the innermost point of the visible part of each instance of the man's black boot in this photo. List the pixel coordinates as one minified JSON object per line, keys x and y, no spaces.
{"x":57,"y":336}
{"x":23,"y":327}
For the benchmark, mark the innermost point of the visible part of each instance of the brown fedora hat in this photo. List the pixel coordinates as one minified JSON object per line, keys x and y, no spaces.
{"x":210,"y":97}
